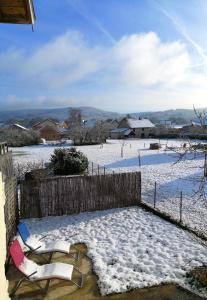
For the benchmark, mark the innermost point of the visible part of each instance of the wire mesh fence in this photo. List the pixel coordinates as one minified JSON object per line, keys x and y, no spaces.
{"x":182,"y":201}
{"x":96,"y":169}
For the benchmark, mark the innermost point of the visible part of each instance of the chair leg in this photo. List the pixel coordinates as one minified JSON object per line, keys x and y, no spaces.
{"x":80,"y":285}
{"x":43,"y":290}
{"x":47,"y":285}
{"x":78,"y":252}
{"x":16,"y":287}
{"x":50,"y":257}
{"x":75,"y":256}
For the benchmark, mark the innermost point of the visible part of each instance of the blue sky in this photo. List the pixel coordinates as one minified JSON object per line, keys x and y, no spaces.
{"x":118,"y":55}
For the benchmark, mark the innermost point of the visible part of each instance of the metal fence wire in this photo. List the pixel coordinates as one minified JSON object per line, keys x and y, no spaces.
{"x":186,"y":206}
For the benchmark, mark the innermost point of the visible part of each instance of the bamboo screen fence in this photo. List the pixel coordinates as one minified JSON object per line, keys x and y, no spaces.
{"x":65,"y":195}
{"x":10,"y":187}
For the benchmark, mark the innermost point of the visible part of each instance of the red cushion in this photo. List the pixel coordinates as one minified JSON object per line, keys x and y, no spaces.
{"x":16,"y":253}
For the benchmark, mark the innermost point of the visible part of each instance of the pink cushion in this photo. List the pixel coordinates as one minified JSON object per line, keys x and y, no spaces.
{"x":16,"y":253}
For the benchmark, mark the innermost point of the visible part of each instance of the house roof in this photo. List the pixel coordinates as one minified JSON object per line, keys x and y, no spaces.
{"x":17,"y":11}
{"x":20,"y":126}
{"x":119,"y":130}
{"x":41,"y":122}
{"x":143,"y":123}
{"x":128,"y":131}
{"x":199,"y":122}
{"x":124,"y":131}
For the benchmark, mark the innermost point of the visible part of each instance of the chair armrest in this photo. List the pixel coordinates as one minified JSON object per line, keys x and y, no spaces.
{"x":32,"y":250}
{"x":44,"y":236}
{"x":37,"y":248}
{"x":32,"y":274}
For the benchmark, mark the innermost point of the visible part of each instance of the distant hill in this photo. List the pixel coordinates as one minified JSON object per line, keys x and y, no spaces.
{"x":177,"y":116}
{"x":56,"y":113}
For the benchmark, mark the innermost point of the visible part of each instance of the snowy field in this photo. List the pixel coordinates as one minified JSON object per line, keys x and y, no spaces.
{"x":156,"y":166}
{"x":130,"y":248}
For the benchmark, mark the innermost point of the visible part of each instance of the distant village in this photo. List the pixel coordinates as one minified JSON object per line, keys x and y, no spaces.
{"x":92,"y":131}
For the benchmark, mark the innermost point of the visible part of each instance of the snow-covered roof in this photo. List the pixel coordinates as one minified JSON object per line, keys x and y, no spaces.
{"x":20,"y":126}
{"x":128,"y":131}
{"x":143,"y":123}
{"x":43,"y":121}
{"x":119,"y":130}
{"x":200,"y":122}
{"x":124,"y":131}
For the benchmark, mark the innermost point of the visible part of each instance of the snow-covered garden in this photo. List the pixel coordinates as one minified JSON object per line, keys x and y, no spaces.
{"x":156,"y":166}
{"x":129,"y":248}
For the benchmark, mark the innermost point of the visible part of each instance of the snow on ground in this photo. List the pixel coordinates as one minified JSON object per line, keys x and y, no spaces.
{"x":155,"y":166}
{"x":130,"y":248}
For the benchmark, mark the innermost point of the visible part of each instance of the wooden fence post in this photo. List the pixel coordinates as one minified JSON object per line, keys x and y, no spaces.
{"x":139,"y":157}
{"x":98,"y":169}
{"x":122,"y":151}
{"x":155,"y":194}
{"x":181,"y":206}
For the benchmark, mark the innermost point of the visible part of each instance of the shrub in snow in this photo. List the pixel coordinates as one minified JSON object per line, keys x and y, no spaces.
{"x":15,"y":138}
{"x":68,"y":161}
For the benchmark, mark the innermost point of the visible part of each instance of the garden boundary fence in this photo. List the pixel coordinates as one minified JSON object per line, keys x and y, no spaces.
{"x":65,"y":195}
{"x":10,"y":188}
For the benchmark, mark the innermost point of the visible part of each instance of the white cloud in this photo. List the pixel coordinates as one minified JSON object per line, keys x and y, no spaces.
{"x":140,"y":59}
{"x":143,"y":59}
{"x":55,"y":74}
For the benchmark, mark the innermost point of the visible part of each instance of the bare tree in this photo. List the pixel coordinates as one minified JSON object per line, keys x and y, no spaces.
{"x":193,"y":150}
{"x":78,"y":134}
{"x":201,"y":115}
{"x":75,"y":117}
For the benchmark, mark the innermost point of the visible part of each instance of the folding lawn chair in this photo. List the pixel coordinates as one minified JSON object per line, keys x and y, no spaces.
{"x":39,"y":247}
{"x":34,"y":273}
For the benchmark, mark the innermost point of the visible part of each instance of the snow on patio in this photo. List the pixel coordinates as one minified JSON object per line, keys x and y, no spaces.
{"x":155,"y":166}
{"x":130,"y":248}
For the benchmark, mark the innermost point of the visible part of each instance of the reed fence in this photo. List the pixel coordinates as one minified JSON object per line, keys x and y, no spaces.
{"x":10,"y":188}
{"x":65,"y":195}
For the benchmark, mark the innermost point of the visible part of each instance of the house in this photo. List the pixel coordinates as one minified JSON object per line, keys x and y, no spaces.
{"x":46,"y":123}
{"x":65,"y":124}
{"x":197,"y":129}
{"x":142,"y":128}
{"x":49,"y":130}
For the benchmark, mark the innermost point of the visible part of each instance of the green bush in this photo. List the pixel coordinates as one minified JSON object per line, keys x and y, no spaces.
{"x":68,"y":161}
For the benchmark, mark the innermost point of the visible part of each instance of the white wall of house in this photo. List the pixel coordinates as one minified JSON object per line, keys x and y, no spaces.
{"x":3,"y":282}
